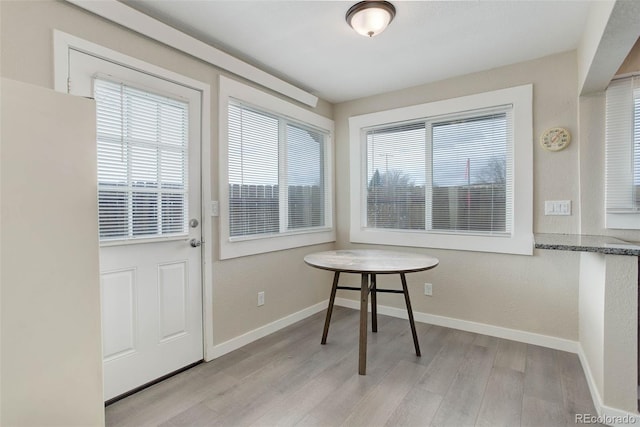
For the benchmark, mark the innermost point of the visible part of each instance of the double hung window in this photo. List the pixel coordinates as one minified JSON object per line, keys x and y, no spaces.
{"x":275,"y":163}
{"x":443,"y":174}
{"x":622,"y":170}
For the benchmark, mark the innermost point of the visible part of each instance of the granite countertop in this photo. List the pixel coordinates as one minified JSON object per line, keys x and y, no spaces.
{"x":584,"y":243}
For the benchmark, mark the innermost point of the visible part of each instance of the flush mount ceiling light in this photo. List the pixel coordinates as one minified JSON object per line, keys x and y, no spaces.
{"x":370,"y":18}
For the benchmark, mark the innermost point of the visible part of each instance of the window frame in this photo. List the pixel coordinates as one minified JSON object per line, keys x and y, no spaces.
{"x":237,"y":246}
{"x":519,"y":241}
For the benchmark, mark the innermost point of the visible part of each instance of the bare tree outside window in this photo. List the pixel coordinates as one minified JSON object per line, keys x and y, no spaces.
{"x":394,"y":201}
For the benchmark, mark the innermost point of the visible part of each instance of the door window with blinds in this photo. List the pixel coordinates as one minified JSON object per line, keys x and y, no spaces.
{"x":622,"y":153}
{"x":142,"y":163}
{"x":276,"y":174}
{"x":446,"y":178}
{"x":445,"y":175}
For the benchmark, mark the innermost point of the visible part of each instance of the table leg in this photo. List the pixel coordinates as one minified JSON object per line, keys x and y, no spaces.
{"x":364,"y":296}
{"x":410,"y":312}
{"x":332,"y":298}
{"x":374,"y":305}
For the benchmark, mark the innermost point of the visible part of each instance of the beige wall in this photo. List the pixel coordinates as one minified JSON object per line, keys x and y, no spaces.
{"x":608,"y":327}
{"x":596,"y":25}
{"x":536,"y":293}
{"x":609,"y":32}
{"x":631,"y":63}
{"x":608,"y":283}
{"x":51,"y":347}
{"x":620,"y":385}
{"x":27,"y":55}
{"x":592,"y":304}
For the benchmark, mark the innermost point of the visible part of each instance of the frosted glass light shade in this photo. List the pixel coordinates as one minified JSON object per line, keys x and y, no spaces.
{"x":370,"y":18}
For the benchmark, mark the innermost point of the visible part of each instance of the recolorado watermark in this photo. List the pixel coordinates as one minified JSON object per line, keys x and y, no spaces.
{"x":605,"y":419}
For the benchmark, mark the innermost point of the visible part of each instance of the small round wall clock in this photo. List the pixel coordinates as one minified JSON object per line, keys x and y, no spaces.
{"x":555,"y":139}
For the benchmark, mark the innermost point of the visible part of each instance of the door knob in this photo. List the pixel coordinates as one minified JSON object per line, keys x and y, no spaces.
{"x":195,"y":242}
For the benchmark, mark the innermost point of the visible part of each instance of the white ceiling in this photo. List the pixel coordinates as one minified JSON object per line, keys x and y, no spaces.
{"x":309,"y":44}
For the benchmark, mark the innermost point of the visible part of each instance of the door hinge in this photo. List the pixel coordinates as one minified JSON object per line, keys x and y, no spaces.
{"x":68,"y":84}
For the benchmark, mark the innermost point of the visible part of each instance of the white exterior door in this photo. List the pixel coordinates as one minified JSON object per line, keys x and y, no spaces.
{"x":149,"y":219}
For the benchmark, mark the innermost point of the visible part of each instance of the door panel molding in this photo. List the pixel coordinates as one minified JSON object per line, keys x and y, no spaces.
{"x":172,"y":300}
{"x":118,"y":332}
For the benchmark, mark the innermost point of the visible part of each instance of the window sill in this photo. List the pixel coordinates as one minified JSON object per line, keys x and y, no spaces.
{"x":520,"y":244}
{"x":244,"y":246}
{"x":623,"y":221}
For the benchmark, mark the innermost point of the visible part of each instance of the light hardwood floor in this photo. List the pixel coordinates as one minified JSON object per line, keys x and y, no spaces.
{"x":288,"y":378}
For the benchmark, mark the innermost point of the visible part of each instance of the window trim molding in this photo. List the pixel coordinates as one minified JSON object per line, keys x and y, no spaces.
{"x":521,"y":239}
{"x":251,"y":245}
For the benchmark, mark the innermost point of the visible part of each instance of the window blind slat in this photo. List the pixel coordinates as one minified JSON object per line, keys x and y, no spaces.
{"x":447,"y":175}
{"x":256,"y":142}
{"x":253,"y":172}
{"x":396,"y":176}
{"x":622,"y":152}
{"x":142,"y":162}
{"x":305,"y":178}
{"x":469,"y":192}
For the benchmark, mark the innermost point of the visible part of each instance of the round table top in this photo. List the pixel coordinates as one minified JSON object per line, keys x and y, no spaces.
{"x":371,"y":261}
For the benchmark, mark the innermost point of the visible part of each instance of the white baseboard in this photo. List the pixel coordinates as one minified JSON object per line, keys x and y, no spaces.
{"x":608,"y":415}
{"x":469,"y":326}
{"x":216,"y":351}
{"x":244,"y":339}
{"x":593,"y":389}
{"x":449,"y":322}
{"x":617,"y":418}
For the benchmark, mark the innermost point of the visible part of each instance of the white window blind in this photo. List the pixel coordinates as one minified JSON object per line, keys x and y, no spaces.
{"x":396,"y":176}
{"x":142,"y":163}
{"x":253,"y":172}
{"x":276,"y":173}
{"x":450,"y":174}
{"x":471,"y":175}
{"x":305,"y":177}
{"x":622,"y":153}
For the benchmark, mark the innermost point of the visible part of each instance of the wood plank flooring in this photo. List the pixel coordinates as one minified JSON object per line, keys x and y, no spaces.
{"x":289,"y":379}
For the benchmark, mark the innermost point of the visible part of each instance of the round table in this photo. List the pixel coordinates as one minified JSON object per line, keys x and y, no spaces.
{"x":369,"y":263}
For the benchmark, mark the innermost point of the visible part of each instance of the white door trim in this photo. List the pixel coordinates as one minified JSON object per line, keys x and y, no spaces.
{"x":62,"y":44}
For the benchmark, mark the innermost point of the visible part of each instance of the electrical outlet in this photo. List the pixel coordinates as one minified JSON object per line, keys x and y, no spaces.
{"x":260,"y":298}
{"x":428,"y":289}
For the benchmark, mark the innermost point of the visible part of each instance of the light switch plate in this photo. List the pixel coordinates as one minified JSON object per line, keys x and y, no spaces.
{"x":215,"y":208}
{"x":557,"y":207}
